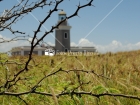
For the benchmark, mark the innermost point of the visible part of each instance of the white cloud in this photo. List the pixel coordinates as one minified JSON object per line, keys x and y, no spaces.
{"x":73,"y":44}
{"x":30,"y":40}
{"x":116,"y":43}
{"x":0,"y":36}
{"x":114,"y":46}
{"x":51,"y":44}
{"x":4,"y":47}
{"x":83,"y":42}
{"x":138,"y":44}
{"x":7,"y":46}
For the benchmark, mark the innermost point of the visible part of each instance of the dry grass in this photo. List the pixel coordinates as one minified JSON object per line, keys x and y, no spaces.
{"x":122,"y":68}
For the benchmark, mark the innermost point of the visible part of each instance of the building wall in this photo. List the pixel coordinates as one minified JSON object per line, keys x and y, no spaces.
{"x":63,"y":23}
{"x":59,"y":34}
{"x":43,"y":52}
{"x":27,"y":52}
{"x":22,"y":52}
{"x":16,"y":53}
{"x":39,"y":52}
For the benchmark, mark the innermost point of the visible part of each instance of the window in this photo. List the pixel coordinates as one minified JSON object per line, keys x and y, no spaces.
{"x":43,"y":52}
{"x":66,"y":35}
{"x":62,"y":18}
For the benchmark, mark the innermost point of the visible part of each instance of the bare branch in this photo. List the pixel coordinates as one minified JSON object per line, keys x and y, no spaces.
{"x":74,"y":93}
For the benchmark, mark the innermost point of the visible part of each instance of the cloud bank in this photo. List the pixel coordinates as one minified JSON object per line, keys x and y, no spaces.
{"x":114,"y":46}
{"x":7,"y":46}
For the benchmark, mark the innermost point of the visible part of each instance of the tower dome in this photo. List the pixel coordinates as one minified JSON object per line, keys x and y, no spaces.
{"x":62,"y":13}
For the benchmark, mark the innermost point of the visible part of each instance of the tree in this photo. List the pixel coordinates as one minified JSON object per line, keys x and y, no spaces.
{"x":11,"y":17}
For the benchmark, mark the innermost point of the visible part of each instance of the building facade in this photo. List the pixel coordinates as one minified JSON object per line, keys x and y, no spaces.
{"x":25,"y":50}
{"x":62,"y":41}
{"x":62,"y":34}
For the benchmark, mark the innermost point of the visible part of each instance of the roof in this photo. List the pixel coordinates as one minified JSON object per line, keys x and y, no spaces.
{"x":62,"y":13}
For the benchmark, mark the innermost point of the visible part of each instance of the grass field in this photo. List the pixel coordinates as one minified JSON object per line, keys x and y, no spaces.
{"x":117,"y":73}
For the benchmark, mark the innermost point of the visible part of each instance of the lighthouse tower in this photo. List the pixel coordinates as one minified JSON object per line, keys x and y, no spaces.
{"x":62,"y":34}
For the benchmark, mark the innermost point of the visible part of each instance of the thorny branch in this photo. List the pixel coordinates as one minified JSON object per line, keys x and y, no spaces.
{"x":10,"y":17}
{"x":34,"y":44}
{"x":17,"y":12}
{"x":73,"y":93}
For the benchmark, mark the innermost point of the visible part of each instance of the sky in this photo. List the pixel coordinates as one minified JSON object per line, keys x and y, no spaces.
{"x":109,"y":26}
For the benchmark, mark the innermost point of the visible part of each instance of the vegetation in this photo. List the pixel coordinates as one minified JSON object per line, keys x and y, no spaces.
{"x":100,"y":79}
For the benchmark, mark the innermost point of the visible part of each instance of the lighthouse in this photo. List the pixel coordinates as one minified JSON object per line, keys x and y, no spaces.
{"x":62,"y":41}
{"x":62,"y":34}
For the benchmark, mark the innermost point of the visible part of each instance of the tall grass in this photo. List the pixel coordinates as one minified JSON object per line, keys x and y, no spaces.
{"x":122,"y":68}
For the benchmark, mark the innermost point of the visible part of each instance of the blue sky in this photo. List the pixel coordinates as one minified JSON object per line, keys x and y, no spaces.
{"x":117,"y":31}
